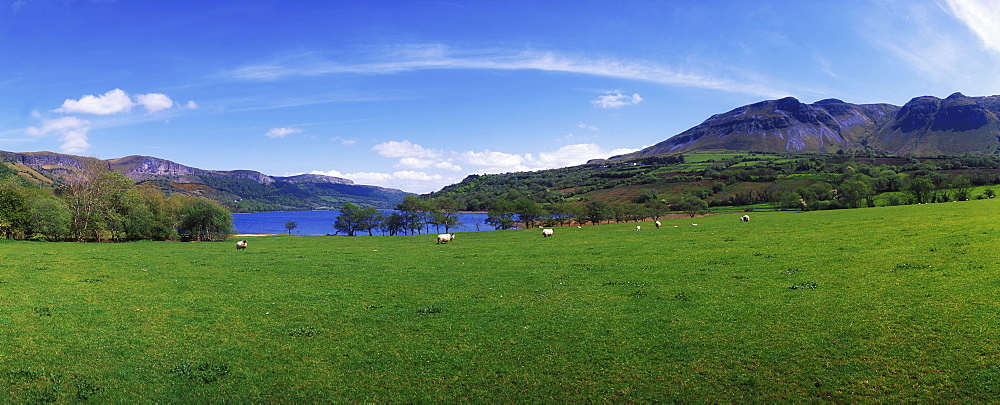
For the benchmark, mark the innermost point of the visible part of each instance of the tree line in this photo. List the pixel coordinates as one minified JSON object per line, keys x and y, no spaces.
{"x":101,"y":205}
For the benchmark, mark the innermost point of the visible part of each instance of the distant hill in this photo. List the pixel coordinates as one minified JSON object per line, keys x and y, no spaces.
{"x":924,"y":126}
{"x":241,"y":190}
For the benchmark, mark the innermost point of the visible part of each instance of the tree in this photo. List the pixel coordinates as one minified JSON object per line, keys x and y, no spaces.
{"x":48,"y":217}
{"x":394,"y":224}
{"x":204,"y":219}
{"x":354,"y":219}
{"x":445,"y":213}
{"x":290,"y":226}
{"x":921,"y":189}
{"x":528,"y":212}
{"x":962,"y":186}
{"x":692,"y":206}
{"x":13,"y":206}
{"x":500,"y":214}
{"x":595,"y":212}
{"x":414,"y":212}
{"x":95,"y":199}
{"x":656,"y":208}
{"x":856,"y":188}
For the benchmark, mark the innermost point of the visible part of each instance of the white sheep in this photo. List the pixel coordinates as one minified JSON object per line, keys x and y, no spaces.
{"x":446,"y":237}
{"x":638,"y":227}
{"x":657,"y":223}
{"x":745,"y":218}
{"x":241,"y":245}
{"x":546,"y":233}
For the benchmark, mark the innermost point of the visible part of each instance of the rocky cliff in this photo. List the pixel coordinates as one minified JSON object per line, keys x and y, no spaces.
{"x":924,"y":126}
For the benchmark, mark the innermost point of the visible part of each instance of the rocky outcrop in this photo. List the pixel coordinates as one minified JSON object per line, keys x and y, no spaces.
{"x":780,"y":125}
{"x":314,"y":178}
{"x":924,"y":126}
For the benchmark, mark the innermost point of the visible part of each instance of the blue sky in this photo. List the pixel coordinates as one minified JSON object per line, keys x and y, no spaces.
{"x":417,"y":95}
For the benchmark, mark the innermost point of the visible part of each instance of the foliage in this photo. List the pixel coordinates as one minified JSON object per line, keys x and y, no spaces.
{"x":726,"y":181}
{"x":204,"y":219}
{"x":354,"y":219}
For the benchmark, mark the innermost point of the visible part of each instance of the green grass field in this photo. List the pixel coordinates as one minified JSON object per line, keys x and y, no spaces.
{"x":889,"y":304}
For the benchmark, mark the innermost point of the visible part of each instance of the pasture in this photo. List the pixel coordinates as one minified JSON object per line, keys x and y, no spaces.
{"x":886,"y":304}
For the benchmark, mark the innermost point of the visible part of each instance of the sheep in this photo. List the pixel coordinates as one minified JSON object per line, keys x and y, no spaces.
{"x":745,"y":218}
{"x":657,"y":223}
{"x":241,"y":245}
{"x":446,"y":237}
{"x":638,"y":227}
{"x":546,"y":233}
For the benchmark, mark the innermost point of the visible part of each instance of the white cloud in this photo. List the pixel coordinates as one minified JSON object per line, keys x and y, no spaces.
{"x":437,"y":56}
{"x":424,"y":170}
{"x":981,"y":18}
{"x":282,"y":132}
{"x":112,"y":102}
{"x":615,"y":99}
{"x":414,"y":163}
{"x":448,"y":166}
{"x":191,"y":105}
{"x":587,"y":127}
{"x":489,"y":158}
{"x":405,"y":149}
{"x":117,"y":101}
{"x":71,"y":131}
{"x":154,"y":102}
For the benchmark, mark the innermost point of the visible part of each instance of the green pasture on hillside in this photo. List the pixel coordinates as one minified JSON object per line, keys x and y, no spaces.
{"x":888,"y":304}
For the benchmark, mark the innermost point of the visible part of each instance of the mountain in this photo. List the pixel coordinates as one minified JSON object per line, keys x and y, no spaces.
{"x":924,"y":126}
{"x":929,"y":125}
{"x":241,"y":190}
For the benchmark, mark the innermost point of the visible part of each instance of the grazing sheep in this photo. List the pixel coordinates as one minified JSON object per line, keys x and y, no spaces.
{"x":657,"y":223}
{"x":546,"y":233}
{"x":745,"y":218}
{"x":446,"y":237}
{"x":241,"y":245}
{"x":638,"y":227}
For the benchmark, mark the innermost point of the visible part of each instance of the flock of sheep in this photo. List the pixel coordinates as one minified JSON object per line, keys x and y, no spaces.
{"x":546,"y":232}
{"x":448,"y":237}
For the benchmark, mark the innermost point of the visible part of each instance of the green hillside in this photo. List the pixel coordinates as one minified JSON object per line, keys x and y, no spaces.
{"x":886,"y":305}
{"x":738,"y":180}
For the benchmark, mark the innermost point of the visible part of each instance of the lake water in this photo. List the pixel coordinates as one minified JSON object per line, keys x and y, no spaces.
{"x":321,"y":223}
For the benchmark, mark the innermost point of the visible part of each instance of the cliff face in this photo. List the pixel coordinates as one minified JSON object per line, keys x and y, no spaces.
{"x":929,"y":125}
{"x":925,"y":125}
{"x":781,"y":125}
{"x":314,"y":178}
{"x":140,"y":168}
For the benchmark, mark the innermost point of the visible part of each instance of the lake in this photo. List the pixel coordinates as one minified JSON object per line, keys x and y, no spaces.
{"x":321,"y":222}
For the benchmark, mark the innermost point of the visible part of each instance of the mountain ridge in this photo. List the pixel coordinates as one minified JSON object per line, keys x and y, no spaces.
{"x":925,"y":125}
{"x":240,"y":190}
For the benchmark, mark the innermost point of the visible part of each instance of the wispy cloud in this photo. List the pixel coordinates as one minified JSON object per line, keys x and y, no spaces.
{"x":436,"y":56}
{"x":281,"y":132}
{"x":71,"y":131}
{"x":922,"y":37}
{"x":981,"y":18}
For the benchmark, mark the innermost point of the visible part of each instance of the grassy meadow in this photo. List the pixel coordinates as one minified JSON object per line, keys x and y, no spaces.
{"x":886,"y":304}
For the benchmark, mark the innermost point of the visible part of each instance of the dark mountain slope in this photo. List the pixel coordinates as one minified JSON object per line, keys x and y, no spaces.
{"x":924,"y":126}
